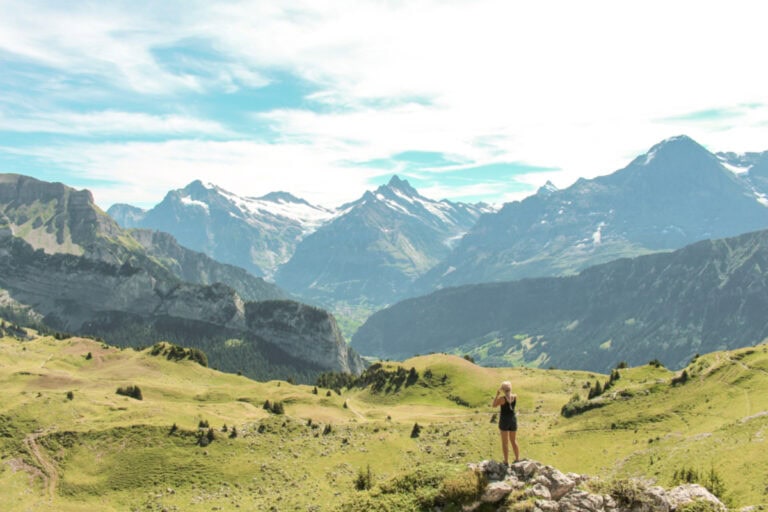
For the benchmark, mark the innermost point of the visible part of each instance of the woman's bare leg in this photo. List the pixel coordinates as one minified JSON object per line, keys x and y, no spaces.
{"x":505,"y":445}
{"x":513,"y":439}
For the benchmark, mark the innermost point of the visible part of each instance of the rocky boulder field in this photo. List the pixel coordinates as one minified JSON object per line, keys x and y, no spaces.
{"x":529,"y":485}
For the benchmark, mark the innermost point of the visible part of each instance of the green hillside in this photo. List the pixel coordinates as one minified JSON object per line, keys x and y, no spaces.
{"x":96,"y":449}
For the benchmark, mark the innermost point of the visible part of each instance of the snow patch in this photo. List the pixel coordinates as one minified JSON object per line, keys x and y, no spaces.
{"x":649,"y":156}
{"x":736,"y":169}
{"x":597,"y":236}
{"x":449,"y":270}
{"x":186,"y":200}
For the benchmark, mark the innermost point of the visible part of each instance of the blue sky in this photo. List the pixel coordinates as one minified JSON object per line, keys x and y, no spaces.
{"x":468,"y":100}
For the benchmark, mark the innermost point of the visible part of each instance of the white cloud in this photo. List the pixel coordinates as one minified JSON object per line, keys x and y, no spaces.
{"x":578,"y":86}
{"x":148,"y":170}
{"x":111,"y":122}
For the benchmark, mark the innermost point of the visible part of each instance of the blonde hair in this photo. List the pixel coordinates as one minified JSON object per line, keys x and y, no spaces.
{"x":506,"y":386}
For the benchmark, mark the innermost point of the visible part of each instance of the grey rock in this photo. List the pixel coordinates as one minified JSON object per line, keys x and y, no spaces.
{"x":495,"y":492}
{"x":688,"y":493}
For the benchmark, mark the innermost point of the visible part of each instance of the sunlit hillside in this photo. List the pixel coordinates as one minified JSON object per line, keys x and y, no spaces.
{"x":70,"y":442}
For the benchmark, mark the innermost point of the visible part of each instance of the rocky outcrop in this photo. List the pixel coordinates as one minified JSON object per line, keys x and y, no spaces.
{"x":68,"y":265}
{"x":131,"y":305}
{"x":532,"y":486}
{"x":61,"y":220}
{"x":305,"y":332}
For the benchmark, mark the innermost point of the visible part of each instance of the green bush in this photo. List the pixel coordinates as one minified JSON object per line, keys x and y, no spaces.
{"x":577,"y":406}
{"x":130,"y":391}
{"x":699,"y":506}
{"x":628,"y":493}
{"x":364,"y":480}
{"x":462,"y":488}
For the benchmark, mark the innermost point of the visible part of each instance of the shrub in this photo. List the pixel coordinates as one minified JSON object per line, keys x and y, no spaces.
{"x":415,"y":431}
{"x":364,"y":479}
{"x":699,"y":506}
{"x":656,"y":363}
{"x":88,"y":356}
{"x":577,"y":406}
{"x":711,"y":480}
{"x":202,"y":424}
{"x":70,"y":395}
{"x":680,"y":379}
{"x":130,"y":391}
{"x":233,"y":433}
{"x":628,"y":493}
{"x":173,"y":429}
{"x":327,"y":429}
{"x":462,"y":488}
{"x":277,"y":408}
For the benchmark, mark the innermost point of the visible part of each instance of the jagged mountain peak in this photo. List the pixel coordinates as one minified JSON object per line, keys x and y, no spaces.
{"x":547,"y":189}
{"x":397,"y":184}
{"x":674,"y":151}
{"x":282,"y":197}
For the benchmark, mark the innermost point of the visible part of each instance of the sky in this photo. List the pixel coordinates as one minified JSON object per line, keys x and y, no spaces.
{"x":475,"y":100}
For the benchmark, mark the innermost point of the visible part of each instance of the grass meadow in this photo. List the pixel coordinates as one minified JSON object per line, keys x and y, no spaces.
{"x":70,"y":443}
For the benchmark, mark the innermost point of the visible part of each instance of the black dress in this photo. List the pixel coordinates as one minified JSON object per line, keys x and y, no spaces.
{"x":507,"y":417}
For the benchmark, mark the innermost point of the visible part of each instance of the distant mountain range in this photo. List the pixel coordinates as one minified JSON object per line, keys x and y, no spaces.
{"x":257,"y":234}
{"x":393,"y":243}
{"x":377,"y":246}
{"x":676,"y":194}
{"x":370,"y":250}
{"x":668,"y":306}
{"x":68,"y":265}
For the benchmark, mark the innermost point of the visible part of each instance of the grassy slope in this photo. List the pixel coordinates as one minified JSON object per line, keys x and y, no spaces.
{"x":104,"y":450}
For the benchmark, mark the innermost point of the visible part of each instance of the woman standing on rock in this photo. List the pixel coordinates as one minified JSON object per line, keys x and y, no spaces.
{"x":507,"y":419}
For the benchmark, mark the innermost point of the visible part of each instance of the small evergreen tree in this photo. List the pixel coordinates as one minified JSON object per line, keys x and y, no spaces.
{"x":595,"y":391}
{"x":173,"y":429}
{"x":314,"y":390}
{"x":70,"y":395}
{"x":233,"y":433}
{"x":416,"y":430}
{"x":364,"y":480}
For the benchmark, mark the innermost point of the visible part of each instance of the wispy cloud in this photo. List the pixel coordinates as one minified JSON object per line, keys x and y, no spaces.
{"x":576,"y":87}
{"x":110,"y":122}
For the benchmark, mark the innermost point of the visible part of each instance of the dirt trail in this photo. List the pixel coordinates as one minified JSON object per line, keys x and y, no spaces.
{"x":49,"y":472}
{"x":354,"y":411}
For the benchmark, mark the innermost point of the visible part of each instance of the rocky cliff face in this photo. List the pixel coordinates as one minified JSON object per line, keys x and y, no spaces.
{"x":530,"y":485}
{"x":76,"y":294}
{"x":305,"y":332}
{"x":66,"y":263}
{"x":61,"y":220}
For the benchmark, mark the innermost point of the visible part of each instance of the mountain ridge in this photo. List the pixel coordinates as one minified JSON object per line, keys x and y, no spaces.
{"x":670,"y":305}
{"x":675,"y":194}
